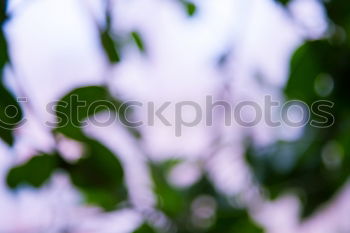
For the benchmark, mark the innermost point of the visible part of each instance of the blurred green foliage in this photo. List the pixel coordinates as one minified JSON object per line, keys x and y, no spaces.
{"x":145,"y":228}
{"x":35,"y":172}
{"x":10,"y":111}
{"x":198,"y":208}
{"x":10,"y":114}
{"x":109,"y":44}
{"x":81,"y":103}
{"x":138,"y":41}
{"x":316,"y":165}
{"x":110,"y":47}
{"x":190,"y":7}
{"x":283,"y":2}
{"x":99,"y":175}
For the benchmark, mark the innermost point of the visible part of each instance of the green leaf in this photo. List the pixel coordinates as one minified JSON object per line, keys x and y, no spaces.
{"x":338,"y":13}
{"x":226,"y":218}
{"x":231,"y":220}
{"x":177,"y":204}
{"x":138,"y":41}
{"x":99,"y":175}
{"x":10,"y":115}
{"x":300,"y":167}
{"x":170,"y":198}
{"x":35,"y":172}
{"x":4,"y":57}
{"x":319,"y":58}
{"x":306,"y":64}
{"x":190,"y":7}
{"x":145,"y":228}
{"x":10,"y":111}
{"x":109,"y":46}
{"x":3,"y":8}
{"x":283,"y":2}
{"x":80,"y":104}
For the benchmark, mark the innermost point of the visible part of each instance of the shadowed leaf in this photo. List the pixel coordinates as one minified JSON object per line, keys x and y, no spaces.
{"x":35,"y":172}
{"x":80,"y":104}
{"x":10,"y":115}
{"x":3,"y":8}
{"x":110,"y":47}
{"x":190,"y":7}
{"x":99,"y":175}
{"x":283,"y":2}
{"x":178,"y":204}
{"x":145,"y":228}
{"x":170,"y":198}
{"x":299,"y":167}
{"x":10,"y":111}
{"x":138,"y":41}
{"x":4,"y":57}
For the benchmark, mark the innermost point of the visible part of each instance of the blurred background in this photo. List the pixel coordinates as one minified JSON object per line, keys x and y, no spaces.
{"x":212,"y":179}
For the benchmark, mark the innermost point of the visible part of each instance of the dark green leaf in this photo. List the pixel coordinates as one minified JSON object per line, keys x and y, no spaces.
{"x":177,"y":204}
{"x":10,"y":111}
{"x":81,"y":103}
{"x":170,"y":198}
{"x":315,"y":59}
{"x":99,"y":175}
{"x":190,"y":7}
{"x":230,"y":220}
{"x":35,"y":172}
{"x":3,"y":8}
{"x":138,"y":41}
{"x":306,"y":64}
{"x":283,"y":2}
{"x":110,"y":47}
{"x":338,"y":13}
{"x":10,"y":115}
{"x":4,"y":57}
{"x":145,"y":228}
{"x":300,"y":167}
